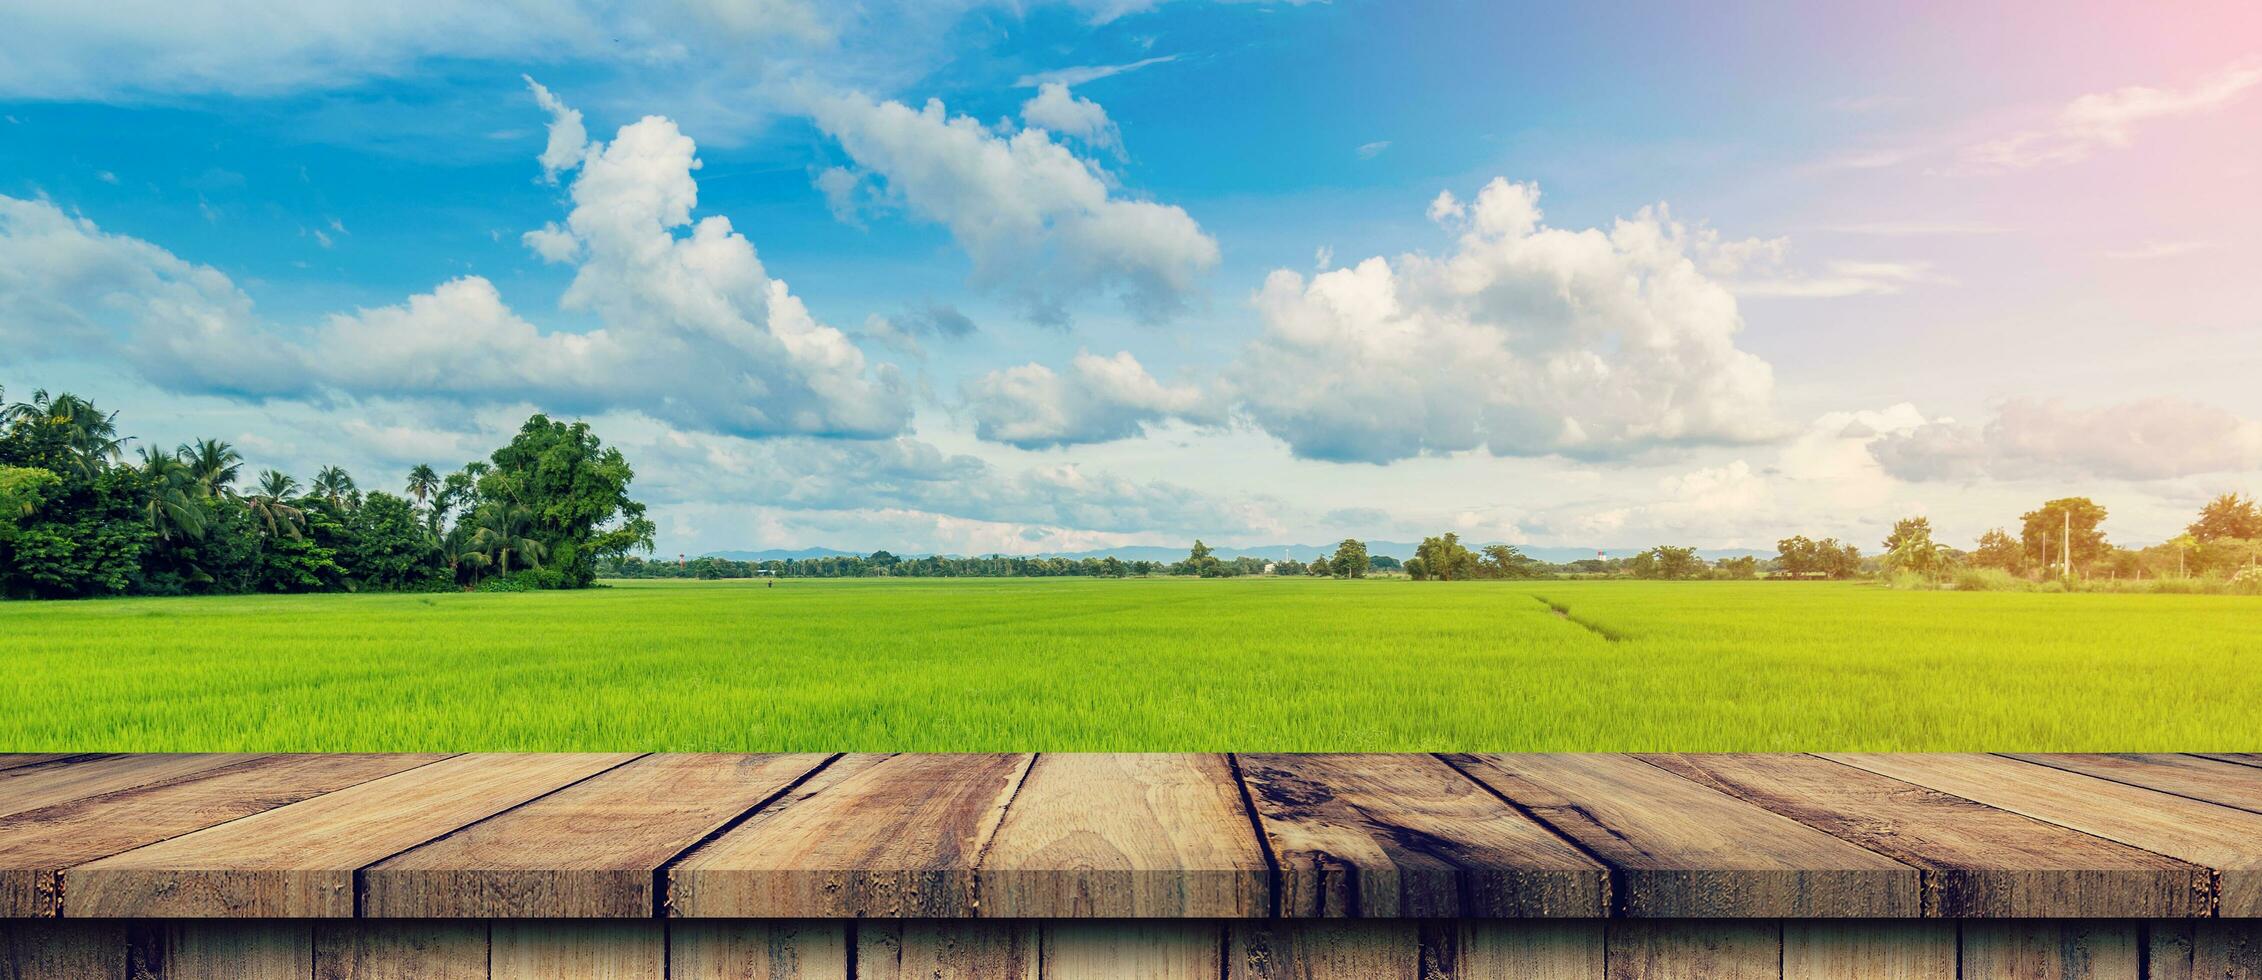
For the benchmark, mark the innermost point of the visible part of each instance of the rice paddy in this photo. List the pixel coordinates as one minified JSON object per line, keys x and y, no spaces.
{"x":1161,"y":665}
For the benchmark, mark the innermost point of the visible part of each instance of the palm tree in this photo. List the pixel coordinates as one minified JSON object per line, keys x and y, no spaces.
{"x":270,"y":504}
{"x":334,"y":486}
{"x":423,"y":482}
{"x":172,"y":501}
{"x":90,"y":435}
{"x":501,"y":532}
{"x":216,"y":465}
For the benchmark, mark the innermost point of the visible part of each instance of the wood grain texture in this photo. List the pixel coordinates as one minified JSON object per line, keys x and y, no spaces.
{"x":947,"y":949}
{"x":299,"y":860}
{"x":1385,"y":836}
{"x":1879,"y":949}
{"x":2205,"y":949}
{"x":553,"y":949}
{"x":757,"y":949}
{"x":36,"y":846}
{"x":1121,"y":835}
{"x":2213,"y":780}
{"x":399,"y":949}
{"x":2045,"y":949}
{"x":1131,"y":949}
{"x":1686,"y":949}
{"x":247,"y":950}
{"x":1530,"y":949}
{"x":871,"y":836}
{"x":18,"y":760}
{"x":2211,"y":836}
{"x":1325,"y":949}
{"x":1977,"y":860}
{"x":61,"y":781}
{"x":1684,"y":851}
{"x":586,"y":851}
{"x":46,"y":949}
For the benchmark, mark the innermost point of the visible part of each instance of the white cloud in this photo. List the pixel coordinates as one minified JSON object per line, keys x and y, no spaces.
{"x":2149,"y":439}
{"x":1098,"y":400}
{"x":1037,"y":220}
{"x":569,"y":139}
{"x":692,"y":329}
{"x":2105,"y":120}
{"x":1088,"y":73}
{"x":1841,"y":278}
{"x":1369,"y":151}
{"x":1056,"y":109}
{"x":1526,"y":340}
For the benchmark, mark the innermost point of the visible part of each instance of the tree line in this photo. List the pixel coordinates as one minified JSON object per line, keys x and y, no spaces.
{"x":80,"y":517}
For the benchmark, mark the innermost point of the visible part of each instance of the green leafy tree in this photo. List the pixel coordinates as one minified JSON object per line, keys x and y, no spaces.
{"x":171,"y":498}
{"x":1997,"y":549}
{"x":215,"y":466}
{"x":423,"y":484}
{"x":1507,"y":561}
{"x":389,"y":547}
{"x":2041,"y":529}
{"x":503,"y":533}
{"x":1445,"y":559}
{"x":1668,"y":562}
{"x":63,"y":433}
{"x":1910,"y":548}
{"x":2229,"y":515}
{"x":334,"y":486}
{"x":573,"y":490}
{"x":86,"y":538}
{"x":1350,"y":559}
{"x":1201,"y":561}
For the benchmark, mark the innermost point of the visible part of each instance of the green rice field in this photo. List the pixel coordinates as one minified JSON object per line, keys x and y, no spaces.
{"x":1164,"y":664}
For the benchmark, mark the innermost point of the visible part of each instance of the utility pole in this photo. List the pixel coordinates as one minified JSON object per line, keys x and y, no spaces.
{"x":2065,"y":544}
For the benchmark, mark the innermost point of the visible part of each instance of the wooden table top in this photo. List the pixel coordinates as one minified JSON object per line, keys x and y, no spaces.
{"x":1130,"y":835}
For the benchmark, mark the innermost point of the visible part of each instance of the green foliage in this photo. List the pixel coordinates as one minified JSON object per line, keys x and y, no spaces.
{"x":2041,"y":529}
{"x":388,"y":547}
{"x":1444,"y":558}
{"x":2229,"y":515}
{"x":571,"y":492}
{"x":1668,"y":562}
{"x":1999,"y":551}
{"x":1800,"y":557}
{"x":88,"y":539}
{"x":1910,"y":549}
{"x":1349,"y":560}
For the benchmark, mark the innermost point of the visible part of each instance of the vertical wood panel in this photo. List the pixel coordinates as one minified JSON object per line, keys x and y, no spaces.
{"x":1531,"y":949}
{"x":1325,"y":950}
{"x":757,"y":949}
{"x":207,"y":949}
{"x":1146,"y":949}
{"x":578,"y":949}
{"x":1695,"y":949}
{"x":2208,"y":949}
{"x":1874,"y":950}
{"x":37,"y":949}
{"x":946,"y":949}
{"x":375,"y":949}
{"x":2050,"y":949}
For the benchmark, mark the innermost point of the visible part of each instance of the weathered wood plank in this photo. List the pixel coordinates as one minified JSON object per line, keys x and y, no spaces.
{"x":2213,"y":780}
{"x":1530,"y":949}
{"x":1881,"y":949}
{"x":1977,"y":860}
{"x":567,"y":949}
{"x":1385,"y":836}
{"x":1325,"y":949}
{"x":2050,"y":949}
{"x":2205,"y":834}
{"x":18,"y":760}
{"x":869,"y":836}
{"x":757,"y":949}
{"x":1684,"y":851}
{"x":37,"y":845}
{"x":399,"y":949}
{"x":1122,"y":835}
{"x":34,"y":786}
{"x":299,"y":860}
{"x":947,"y":949}
{"x":1128,"y":949}
{"x":46,"y":949}
{"x":247,"y":950}
{"x":587,"y":851}
{"x":1692,"y":949}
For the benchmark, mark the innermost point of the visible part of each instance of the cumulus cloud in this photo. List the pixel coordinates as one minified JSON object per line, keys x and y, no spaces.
{"x":1525,"y":340}
{"x":1061,"y":112}
{"x":2108,"y":120}
{"x":1096,"y":400}
{"x":1038,"y":221}
{"x":691,"y":330}
{"x":569,"y":139}
{"x":2149,"y":439}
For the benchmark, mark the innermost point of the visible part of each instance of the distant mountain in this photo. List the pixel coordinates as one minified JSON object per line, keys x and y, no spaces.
{"x":781,"y":554}
{"x":1400,"y":550}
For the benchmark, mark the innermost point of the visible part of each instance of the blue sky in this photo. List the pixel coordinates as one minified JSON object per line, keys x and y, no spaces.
{"x":1251,"y":271}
